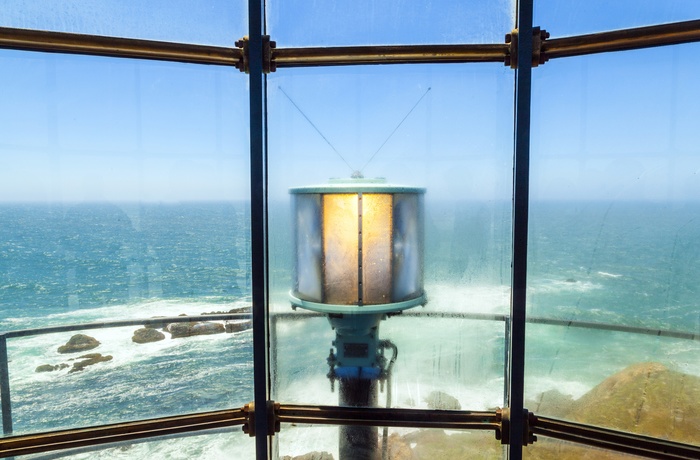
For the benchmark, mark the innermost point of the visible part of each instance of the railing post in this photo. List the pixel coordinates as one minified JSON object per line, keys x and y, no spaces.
{"x":506,"y":352}
{"x":5,"y":387}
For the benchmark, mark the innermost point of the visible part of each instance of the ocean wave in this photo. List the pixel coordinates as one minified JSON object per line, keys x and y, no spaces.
{"x":151,"y":308}
{"x":554,"y":286}
{"x":609,"y":275}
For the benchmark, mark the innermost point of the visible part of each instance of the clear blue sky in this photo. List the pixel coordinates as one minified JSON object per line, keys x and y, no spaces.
{"x":619,"y":126}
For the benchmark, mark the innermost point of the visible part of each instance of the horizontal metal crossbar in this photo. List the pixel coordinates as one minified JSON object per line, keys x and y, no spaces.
{"x":392,"y":417}
{"x":629,"y":443}
{"x":399,"y":54}
{"x":95,"y":45}
{"x":615,"y":40}
{"x":120,"y":432}
{"x":623,"y":40}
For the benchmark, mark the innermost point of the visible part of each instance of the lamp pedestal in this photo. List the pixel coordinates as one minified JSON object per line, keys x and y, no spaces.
{"x":358,"y":442}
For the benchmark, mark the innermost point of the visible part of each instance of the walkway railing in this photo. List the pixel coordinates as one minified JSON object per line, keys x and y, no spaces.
{"x":5,"y":394}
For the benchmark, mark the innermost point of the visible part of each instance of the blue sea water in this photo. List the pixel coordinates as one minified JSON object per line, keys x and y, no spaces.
{"x":634,"y":264}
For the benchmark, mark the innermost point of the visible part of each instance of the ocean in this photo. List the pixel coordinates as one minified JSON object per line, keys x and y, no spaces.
{"x":623,"y":263}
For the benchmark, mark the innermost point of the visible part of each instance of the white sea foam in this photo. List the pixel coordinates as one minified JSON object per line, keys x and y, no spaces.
{"x":467,"y":298}
{"x":556,"y":286}
{"x":609,"y":275}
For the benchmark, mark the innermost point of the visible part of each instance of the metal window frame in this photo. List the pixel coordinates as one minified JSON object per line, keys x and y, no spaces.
{"x":257,"y":56}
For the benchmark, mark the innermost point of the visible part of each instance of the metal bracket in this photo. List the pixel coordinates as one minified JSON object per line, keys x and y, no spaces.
{"x":244,"y":63}
{"x":273,"y":420}
{"x":503,"y":435}
{"x":538,"y":55}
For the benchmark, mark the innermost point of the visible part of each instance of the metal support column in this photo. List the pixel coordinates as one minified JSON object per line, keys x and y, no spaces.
{"x":358,"y":442}
{"x":521,"y":179}
{"x":258,"y":217}
{"x":5,"y":387}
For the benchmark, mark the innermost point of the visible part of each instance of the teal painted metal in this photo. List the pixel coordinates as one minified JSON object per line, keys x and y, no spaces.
{"x":357,"y":309}
{"x":378,"y":185}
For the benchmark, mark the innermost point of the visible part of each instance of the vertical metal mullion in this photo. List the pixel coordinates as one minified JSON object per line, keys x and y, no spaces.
{"x":5,"y":387}
{"x":258,"y":218}
{"x":521,"y":184}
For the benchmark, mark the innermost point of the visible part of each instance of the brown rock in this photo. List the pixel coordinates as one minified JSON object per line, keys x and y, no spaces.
{"x":238,"y":326}
{"x":551,"y":403}
{"x":437,"y":444}
{"x":147,"y":335}
{"x":310,"y":456}
{"x":645,"y":398}
{"x":89,"y":360}
{"x":442,"y":401}
{"x":79,"y":343}
{"x":178,"y":330}
{"x":50,"y":368}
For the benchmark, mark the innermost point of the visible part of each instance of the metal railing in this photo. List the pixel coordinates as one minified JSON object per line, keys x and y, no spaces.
{"x":5,"y":394}
{"x":188,"y":423}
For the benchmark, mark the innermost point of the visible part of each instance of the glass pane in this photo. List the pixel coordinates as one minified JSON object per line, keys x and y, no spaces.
{"x":408,"y":443}
{"x":615,"y":239}
{"x":546,"y":448}
{"x":218,"y":22}
{"x":123,"y":195}
{"x":575,"y":17}
{"x":299,"y":23}
{"x":215,"y":445}
{"x":418,"y":126}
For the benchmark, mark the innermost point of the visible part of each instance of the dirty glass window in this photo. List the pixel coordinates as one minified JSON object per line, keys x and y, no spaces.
{"x":614,"y":231}
{"x":215,"y":22}
{"x":123,"y":195}
{"x":434,"y":127}
{"x":299,"y":23}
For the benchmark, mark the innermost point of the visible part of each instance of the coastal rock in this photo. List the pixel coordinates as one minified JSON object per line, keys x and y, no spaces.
{"x":397,"y":448}
{"x":238,"y":326}
{"x":442,"y":401}
{"x":645,"y":398}
{"x":147,"y":335}
{"x":154,"y":325}
{"x":178,"y":330}
{"x":50,"y":368}
{"x":551,"y":403}
{"x":79,"y":343}
{"x":89,"y":360}
{"x":233,"y":310}
{"x":438,"y":444}
{"x":310,"y":456}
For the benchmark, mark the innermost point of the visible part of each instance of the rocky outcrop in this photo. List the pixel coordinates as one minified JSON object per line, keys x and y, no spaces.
{"x":238,"y":326}
{"x":551,"y":403}
{"x":310,"y":456}
{"x":233,"y":310}
{"x":51,"y":368}
{"x":79,"y":343}
{"x":178,"y":330}
{"x":89,"y":360}
{"x":79,"y":363}
{"x":147,"y":335}
{"x":442,"y":401}
{"x":645,"y":398}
